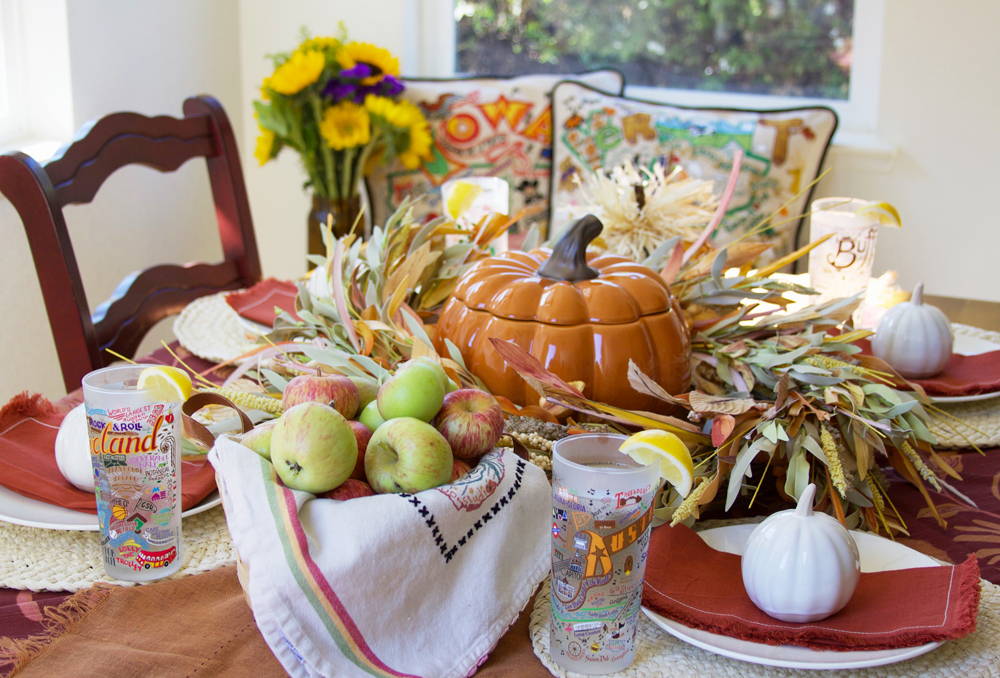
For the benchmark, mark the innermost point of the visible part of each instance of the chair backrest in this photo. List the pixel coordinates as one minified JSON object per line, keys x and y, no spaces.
{"x":39,"y":194}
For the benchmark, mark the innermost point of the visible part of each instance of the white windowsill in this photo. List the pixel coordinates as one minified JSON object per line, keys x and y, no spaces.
{"x":41,"y":150}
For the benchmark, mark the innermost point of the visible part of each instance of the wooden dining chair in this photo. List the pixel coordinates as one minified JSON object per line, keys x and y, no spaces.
{"x":40,"y":192}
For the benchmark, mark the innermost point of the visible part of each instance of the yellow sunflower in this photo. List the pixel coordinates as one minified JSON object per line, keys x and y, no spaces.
{"x":419,"y":148}
{"x":319,"y":43}
{"x":345,"y":125}
{"x":400,"y":114}
{"x":265,"y":145}
{"x":301,"y":70}
{"x":265,"y":87}
{"x":353,"y":53}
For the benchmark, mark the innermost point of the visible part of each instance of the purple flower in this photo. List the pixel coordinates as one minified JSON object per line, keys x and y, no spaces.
{"x":338,"y":91}
{"x":358,"y":71}
{"x":390,"y":86}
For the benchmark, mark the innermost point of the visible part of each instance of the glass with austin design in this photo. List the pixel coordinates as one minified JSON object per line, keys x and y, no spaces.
{"x":602,"y":508}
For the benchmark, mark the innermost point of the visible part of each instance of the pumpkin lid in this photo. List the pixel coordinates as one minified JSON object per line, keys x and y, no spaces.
{"x":520,"y":285}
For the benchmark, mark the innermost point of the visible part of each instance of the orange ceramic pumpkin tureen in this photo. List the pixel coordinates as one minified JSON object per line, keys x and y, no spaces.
{"x":583,"y":316}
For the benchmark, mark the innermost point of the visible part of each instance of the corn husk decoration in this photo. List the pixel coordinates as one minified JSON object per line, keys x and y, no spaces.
{"x":642,"y":207}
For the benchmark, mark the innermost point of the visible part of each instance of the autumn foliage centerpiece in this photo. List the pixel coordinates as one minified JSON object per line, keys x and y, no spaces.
{"x":337,"y":103}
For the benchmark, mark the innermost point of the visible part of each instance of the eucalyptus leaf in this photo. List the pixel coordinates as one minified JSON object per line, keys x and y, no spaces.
{"x":333,"y":358}
{"x":901,"y":408}
{"x":812,"y":379}
{"x":453,"y":351}
{"x":797,"y":475}
{"x":919,"y":429}
{"x":657,"y":259}
{"x":890,"y":395}
{"x":813,"y":446}
{"x":718,"y":264}
{"x":742,"y":467}
{"x":274,"y":379}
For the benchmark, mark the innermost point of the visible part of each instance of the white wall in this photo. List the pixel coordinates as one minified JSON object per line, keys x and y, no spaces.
{"x":938,"y":107}
{"x":124,"y":55}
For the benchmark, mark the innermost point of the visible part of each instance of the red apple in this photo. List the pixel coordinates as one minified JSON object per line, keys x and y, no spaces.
{"x":334,"y":390}
{"x":471,"y":421}
{"x":350,"y":489}
{"x":363,"y":434}
{"x":458,"y":469}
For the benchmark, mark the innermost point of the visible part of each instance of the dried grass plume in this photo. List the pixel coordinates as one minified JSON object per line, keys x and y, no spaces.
{"x":640,"y":207}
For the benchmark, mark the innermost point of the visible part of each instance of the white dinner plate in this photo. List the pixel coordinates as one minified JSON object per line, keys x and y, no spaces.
{"x":877,"y":555}
{"x":18,"y":509}
{"x":967,"y":345}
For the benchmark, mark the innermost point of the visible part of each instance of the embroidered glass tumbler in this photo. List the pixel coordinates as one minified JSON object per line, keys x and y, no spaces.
{"x":135,"y":452}
{"x":602,"y":507}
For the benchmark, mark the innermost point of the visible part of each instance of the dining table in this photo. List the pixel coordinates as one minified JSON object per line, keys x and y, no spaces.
{"x":212,"y":604}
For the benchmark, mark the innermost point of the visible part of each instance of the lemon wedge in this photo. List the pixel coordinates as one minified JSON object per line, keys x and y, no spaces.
{"x":165,"y":383}
{"x":665,"y":451}
{"x":886,"y":214}
{"x":463,"y":193}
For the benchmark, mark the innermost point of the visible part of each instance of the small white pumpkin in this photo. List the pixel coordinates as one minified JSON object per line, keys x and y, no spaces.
{"x":800,"y":566}
{"x":914,"y":338}
{"x":73,"y":450}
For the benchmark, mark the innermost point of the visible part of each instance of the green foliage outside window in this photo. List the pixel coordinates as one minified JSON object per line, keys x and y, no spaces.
{"x":781,"y":47}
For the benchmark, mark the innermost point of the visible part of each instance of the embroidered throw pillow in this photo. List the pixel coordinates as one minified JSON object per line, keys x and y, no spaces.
{"x":783,"y":152}
{"x":482,"y":127}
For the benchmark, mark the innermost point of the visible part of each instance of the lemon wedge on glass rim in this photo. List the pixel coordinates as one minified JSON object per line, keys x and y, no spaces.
{"x":164,"y":383}
{"x":463,"y":193}
{"x":886,"y":214}
{"x":665,"y":451}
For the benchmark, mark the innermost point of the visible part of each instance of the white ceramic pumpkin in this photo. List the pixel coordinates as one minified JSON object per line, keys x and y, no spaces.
{"x":799,"y":565}
{"x":914,"y":338}
{"x":73,"y":450}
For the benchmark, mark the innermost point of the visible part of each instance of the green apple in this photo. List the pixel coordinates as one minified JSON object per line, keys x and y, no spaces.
{"x":258,"y":438}
{"x":371,"y":417}
{"x":367,"y":390}
{"x":433,"y":364}
{"x":416,"y":390}
{"x":407,"y":455}
{"x":313,"y":448}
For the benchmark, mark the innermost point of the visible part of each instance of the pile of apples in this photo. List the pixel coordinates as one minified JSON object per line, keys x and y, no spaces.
{"x":416,"y":431}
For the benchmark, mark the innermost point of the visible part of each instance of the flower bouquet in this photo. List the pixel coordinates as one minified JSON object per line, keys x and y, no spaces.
{"x":337,"y":103}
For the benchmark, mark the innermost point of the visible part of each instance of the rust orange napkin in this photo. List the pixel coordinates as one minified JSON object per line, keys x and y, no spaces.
{"x":690,"y":582}
{"x":28,"y":427}
{"x":257,"y":303}
{"x":963,"y":375}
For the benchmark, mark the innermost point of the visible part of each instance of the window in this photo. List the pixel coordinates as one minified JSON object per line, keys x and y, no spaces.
{"x":778,"y":47}
{"x":35,"y":96}
{"x":741,"y":53}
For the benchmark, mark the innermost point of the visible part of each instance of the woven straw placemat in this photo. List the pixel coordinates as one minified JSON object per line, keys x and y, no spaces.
{"x":211,"y":329}
{"x":660,"y":655}
{"x":60,"y":560}
{"x":975,"y":423}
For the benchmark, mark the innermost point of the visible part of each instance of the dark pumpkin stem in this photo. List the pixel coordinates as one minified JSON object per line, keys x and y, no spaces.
{"x":569,"y":256}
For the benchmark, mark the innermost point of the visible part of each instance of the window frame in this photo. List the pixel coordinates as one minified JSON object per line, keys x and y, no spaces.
{"x":435,"y":57}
